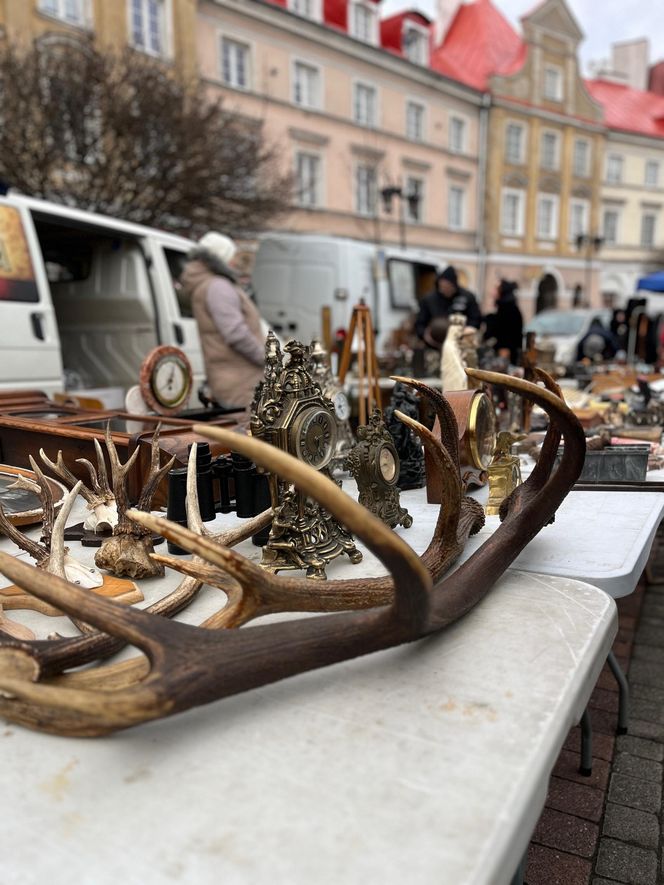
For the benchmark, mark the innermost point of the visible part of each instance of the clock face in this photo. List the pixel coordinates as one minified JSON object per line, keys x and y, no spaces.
{"x":387,"y":464}
{"x":341,"y":406}
{"x":166,"y":379}
{"x":315,"y":438}
{"x":483,"y":431}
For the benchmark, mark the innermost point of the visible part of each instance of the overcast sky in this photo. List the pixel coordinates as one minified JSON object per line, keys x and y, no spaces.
{"x":602,"y":21}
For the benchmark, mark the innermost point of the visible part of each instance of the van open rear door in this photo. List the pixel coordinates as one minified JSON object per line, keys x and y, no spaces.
{"x":29,"y":342}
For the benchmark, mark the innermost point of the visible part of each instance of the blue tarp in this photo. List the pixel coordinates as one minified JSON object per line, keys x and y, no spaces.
{"x":654,"y":282}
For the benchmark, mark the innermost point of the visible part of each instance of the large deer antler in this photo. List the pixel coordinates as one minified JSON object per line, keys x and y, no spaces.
{"x":127,"y":552}
{"x":100,"y":499}
{"x":189,"y":666}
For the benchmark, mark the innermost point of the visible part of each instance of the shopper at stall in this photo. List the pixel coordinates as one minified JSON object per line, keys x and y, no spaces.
{"x":228,"y":322}
{"x":448,"y":297}
{"x":505,"y":326}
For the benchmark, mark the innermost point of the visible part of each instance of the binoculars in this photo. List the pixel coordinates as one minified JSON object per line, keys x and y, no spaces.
{"x":226,"y":484}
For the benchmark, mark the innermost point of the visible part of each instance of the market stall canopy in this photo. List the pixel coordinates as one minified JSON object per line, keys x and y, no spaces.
{"x":654,"y":282}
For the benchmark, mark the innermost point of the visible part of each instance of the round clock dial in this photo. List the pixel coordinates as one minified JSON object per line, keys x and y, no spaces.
{"x":166,"y":379}
{"x":387,"y":464}
{"x":315,"y":438}
{"x":341,"y":406}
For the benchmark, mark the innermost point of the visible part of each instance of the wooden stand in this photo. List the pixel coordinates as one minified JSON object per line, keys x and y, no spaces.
{"x":367,"y":366}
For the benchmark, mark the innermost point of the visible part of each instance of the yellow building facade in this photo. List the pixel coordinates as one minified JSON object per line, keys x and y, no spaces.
{"x":165,"y":29}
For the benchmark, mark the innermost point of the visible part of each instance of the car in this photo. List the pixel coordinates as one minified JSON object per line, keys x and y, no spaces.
{"x":566,"y":328}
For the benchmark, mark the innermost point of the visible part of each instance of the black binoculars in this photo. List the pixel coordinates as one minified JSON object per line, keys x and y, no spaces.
{"x":227,"y":484}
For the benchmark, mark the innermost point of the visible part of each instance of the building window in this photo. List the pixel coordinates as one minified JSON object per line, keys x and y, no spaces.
{"x":415,"y":42}
{"x":579,"y":211}
{"x":648,"y":222}
{"x":614,"y":169}
{"x":610,"y":227}
{"x":547,"y":217}
{"x":553,"y":83}
{"x":512,"y":212}
{"x":148,"y":26}
{"x":307,"y":173}
{"x":414,"y":121}
{"x":365,"y":105}
{"x":414,"y":200}
{"x":74,"y":12}
{"x":365,"y":189}
{"x":514,"y":143}
{"x":652,"y":173}
{"x":457,"y":135}
{"x":549,"y":156}
{"x":306,"y":85}
{"x":235,"y":63}
{"x":456,"y":208}
{"x":581,"y":158}
{"x":306,"y":8}
{"x":364,"y":22}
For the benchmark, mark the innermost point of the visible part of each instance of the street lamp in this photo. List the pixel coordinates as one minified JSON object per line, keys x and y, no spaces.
{"x":413,"y":199}
{"x":592,"y":243}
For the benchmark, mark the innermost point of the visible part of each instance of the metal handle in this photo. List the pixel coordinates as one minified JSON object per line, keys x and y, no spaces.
{"x":37,"y":328}
{"x":179,"y":334}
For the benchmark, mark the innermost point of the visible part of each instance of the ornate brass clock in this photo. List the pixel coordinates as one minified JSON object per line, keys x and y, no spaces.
{"x":319,"y":367}
{"x":291,"y":412}
{"x":374,"y":463}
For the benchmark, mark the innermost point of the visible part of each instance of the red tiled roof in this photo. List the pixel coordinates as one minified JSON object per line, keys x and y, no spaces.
{"x":479,"y":43}
{"x":627,"y":109}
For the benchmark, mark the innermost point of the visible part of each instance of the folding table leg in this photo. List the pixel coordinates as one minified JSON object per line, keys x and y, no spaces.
{"x":623,"y":693}
{"x":521,"y":871}
{"x":586,"y":767}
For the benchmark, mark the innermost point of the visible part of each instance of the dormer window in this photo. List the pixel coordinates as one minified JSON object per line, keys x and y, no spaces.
{"x":553,"y":83}
{"x":415,"y":43}
{"x":306,"y":8}
{"x":364,"y":21}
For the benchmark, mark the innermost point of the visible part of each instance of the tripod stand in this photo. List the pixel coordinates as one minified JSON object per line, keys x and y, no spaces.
{"x":367,"y":366}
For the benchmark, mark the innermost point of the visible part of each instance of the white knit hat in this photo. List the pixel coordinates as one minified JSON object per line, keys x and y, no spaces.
{"x":220,"y":246}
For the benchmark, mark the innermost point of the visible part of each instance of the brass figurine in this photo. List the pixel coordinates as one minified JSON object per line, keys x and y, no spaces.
{"x":291,"y":412}
{"x":374,"y":463}
{"x":504,"y":471}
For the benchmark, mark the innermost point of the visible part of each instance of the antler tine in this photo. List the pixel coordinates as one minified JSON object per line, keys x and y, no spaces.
{"x":60,"y":469}
{"x":56,"y":563}
{"x":101,"y":471}
{"x":93,"y":475}
{"x":194,"y":519}
{"x":155,"y":475}
{"x":39,"y":552}
{"x":449,"y":429}
{"x":46,"y":498}
{"x":119,"y":472}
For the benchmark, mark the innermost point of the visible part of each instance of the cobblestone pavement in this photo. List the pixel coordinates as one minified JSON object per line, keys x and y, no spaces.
{"x":607,"y":828}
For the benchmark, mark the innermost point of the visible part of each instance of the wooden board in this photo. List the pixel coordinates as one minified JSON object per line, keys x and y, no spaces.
{"x":118,"y":589}
{"x":23,"y":507}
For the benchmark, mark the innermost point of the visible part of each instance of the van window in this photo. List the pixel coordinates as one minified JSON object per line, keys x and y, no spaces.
{"x":17,"y":275}
{"x":176,"y":261}
{"x":409,"y":282}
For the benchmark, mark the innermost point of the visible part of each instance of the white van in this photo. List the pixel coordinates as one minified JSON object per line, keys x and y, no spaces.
{"x":295,"y":275}
{"x":85,"y":297}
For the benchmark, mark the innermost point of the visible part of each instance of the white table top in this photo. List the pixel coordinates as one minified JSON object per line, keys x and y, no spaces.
{"x":427,"y":763}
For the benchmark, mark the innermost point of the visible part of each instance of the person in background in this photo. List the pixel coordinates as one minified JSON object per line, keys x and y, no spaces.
{"x":505,"y":326}
{"x":447,"y":298}
{"x":229,"y":324}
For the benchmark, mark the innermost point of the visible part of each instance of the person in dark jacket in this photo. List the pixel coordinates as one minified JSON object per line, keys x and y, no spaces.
{"x":447,"y":298}
{"x":506,"y":324}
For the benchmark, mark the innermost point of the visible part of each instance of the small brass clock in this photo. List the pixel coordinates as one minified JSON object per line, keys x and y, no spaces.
{"x":374,"y":463}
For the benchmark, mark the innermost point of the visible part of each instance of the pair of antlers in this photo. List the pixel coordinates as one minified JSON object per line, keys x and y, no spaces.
{"x":189,"y":666}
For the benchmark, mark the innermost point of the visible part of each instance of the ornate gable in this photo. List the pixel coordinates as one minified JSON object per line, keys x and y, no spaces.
{"x":555,"y":17}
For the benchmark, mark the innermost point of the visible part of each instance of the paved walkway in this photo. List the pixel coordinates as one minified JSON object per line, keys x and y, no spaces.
{"x":607,"y":828}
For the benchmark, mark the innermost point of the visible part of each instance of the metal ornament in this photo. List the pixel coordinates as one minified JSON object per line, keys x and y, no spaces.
{"x":409,"y":448}
{"x":504,"y":472}
{"x":321,"y":372}
{"x":290,"y":412}
{"x":374,"y":463}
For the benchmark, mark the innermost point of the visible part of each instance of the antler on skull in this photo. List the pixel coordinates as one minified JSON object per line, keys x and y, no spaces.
{"x":100,"y":499}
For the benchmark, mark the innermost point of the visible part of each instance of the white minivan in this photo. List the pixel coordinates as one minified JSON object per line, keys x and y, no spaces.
{"x":296,"y":275}
{"x":85,"y":297}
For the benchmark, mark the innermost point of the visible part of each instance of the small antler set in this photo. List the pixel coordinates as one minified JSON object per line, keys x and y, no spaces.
{"x":185,"y":666}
